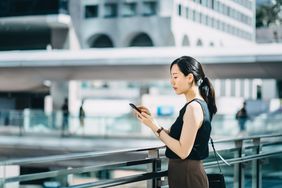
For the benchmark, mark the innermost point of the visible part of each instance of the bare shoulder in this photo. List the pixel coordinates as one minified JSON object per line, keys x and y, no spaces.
{"x":194,"y":107}
{"x":194,"y":112}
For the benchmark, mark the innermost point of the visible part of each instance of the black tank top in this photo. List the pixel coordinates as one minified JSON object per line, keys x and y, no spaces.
{"x":200,"y":148}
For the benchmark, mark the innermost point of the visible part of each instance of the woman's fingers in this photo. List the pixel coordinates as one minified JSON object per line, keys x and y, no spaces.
{"x":144,"y":109}
{"x":146,"y":115}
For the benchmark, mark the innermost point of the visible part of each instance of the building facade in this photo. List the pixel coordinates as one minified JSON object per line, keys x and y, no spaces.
{"x":120,"y":23}
{"x":84,"y":24}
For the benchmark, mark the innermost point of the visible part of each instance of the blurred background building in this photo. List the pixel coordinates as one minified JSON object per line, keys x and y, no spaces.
{"x":93,"y":24}
{"x":103,"y":54}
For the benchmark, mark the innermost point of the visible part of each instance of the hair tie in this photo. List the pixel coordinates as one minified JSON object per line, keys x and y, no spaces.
{"x":200,"y":81}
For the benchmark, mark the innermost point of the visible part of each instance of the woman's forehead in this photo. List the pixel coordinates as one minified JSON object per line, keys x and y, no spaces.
{"x":175,"y":69}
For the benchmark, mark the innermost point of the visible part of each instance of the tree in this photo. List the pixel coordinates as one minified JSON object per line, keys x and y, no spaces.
{"x":269,"y":14}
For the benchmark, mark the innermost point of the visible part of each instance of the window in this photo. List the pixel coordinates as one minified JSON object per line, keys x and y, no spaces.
{"x":129,"y":9}
{"x":216,"y":6}
{"x":91,"y":11}
{"x":212,"y":4}
{"x":179,"y":10}
{"x":212,"y":22}
{"x":149,"y":8}
{"x":205,"y":3}
{"x":204,"y":19}
{"x":197,"y":15}
{"x":111,"y":10}
{"x":194,"y":15}
{"x":187,"y":12}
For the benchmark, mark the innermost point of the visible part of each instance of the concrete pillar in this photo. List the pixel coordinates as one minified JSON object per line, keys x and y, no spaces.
{"x":228,"y":88}
{"x":59,"y":37}
{"x":246,"y":89}
{"x":64,"y":38}
{"x":269,"y":90}
{"x":59,"y":91}
{"x":237,"y":88}
{"x":217,"y":87}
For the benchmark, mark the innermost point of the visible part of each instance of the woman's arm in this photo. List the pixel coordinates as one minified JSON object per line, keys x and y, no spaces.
{"x":192,"y":120}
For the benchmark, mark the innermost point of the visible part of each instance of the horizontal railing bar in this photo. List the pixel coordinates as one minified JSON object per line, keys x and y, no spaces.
{"x":55,"y":173}
{"x":271,"y":143}
{"x":75,"y":156}
{"x":242,"y":159}
{"x":246,"y":138}
{"x":122,"y":181}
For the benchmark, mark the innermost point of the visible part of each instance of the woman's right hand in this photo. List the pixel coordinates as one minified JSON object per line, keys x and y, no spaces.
{"x":144,"y":109}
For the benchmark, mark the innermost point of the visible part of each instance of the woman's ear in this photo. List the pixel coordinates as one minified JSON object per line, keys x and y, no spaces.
{"x":190,"y":77}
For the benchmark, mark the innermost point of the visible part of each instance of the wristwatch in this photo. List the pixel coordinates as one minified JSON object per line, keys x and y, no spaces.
{"x":159,"y":131}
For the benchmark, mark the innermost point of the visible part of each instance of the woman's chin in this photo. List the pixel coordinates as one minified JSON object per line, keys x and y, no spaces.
{"x":177,"y":92}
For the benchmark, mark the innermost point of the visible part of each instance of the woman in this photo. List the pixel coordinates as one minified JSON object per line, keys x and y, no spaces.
{"x":187,"y":139}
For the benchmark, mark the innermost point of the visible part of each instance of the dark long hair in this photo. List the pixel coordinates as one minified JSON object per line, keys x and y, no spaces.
{"x":188,"y":65}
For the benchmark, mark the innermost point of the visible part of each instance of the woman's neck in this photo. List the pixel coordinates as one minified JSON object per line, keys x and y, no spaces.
{"x":192,"y":94}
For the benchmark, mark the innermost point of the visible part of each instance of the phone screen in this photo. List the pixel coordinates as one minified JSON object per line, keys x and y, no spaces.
{"x":134,"y":107}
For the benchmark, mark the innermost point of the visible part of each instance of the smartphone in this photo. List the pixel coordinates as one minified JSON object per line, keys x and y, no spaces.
{"x":134,"y":107}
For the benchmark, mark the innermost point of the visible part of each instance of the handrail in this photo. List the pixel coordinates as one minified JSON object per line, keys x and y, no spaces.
{"x":247,"y":138}
{"x":112,"y":152}
{"x":77,"y":170}
{"x":75,"y":156}
{"x":129,"y":163}
{"x":153,"y":159}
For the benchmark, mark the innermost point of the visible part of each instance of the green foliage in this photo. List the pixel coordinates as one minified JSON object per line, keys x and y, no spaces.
{"x":269,"y":14}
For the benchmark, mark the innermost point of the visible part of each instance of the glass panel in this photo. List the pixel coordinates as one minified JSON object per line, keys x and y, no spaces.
{"x":149,"y":8}
{"x":91,"y":11}
{"x":272,"y":172}
{"x":129,"y":9}
{"x":111,"y":10}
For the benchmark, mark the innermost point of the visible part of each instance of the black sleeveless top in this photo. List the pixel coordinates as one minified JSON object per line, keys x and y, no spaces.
{"x":200,"y":148}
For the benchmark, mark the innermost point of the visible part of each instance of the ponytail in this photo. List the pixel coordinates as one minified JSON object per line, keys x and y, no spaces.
{"x":207,"y":92}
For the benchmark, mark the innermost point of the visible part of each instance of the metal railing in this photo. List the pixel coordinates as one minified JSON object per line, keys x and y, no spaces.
{"x":238,"y":152}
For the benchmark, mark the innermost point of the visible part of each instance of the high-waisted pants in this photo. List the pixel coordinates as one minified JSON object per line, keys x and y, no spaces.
{"x":186,"y":174}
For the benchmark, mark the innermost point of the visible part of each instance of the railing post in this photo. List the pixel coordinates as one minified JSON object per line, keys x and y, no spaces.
{"x":154,"y":167}
{"x":1,"y":182}
{"x":256,"y":165}
{"x":2,"y":174}
{"x":239,"y":178}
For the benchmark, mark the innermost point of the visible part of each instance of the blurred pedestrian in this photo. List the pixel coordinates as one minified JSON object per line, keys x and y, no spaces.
{"x":81,"y":116}
{"x":65,"y":123}
{"x":242,"y":117}
{"x":188,"y":137}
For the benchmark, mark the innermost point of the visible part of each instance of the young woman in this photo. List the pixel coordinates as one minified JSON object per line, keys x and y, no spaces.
{"x":187,"y":139}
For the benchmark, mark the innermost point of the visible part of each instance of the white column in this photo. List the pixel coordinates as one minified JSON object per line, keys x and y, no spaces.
{"x":222,"y":88}
{"x":237,"y":87}
{"x":228,"y":88}
{"x":246,"y":88}
{"x":217,"y":87}
{"x":269,"y":89}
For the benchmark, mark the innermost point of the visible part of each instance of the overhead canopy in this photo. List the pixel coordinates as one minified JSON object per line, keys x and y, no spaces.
{"x":23,"y":70}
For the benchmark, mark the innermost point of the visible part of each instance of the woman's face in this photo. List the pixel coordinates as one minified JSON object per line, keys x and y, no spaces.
{"x":180,"y":83}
